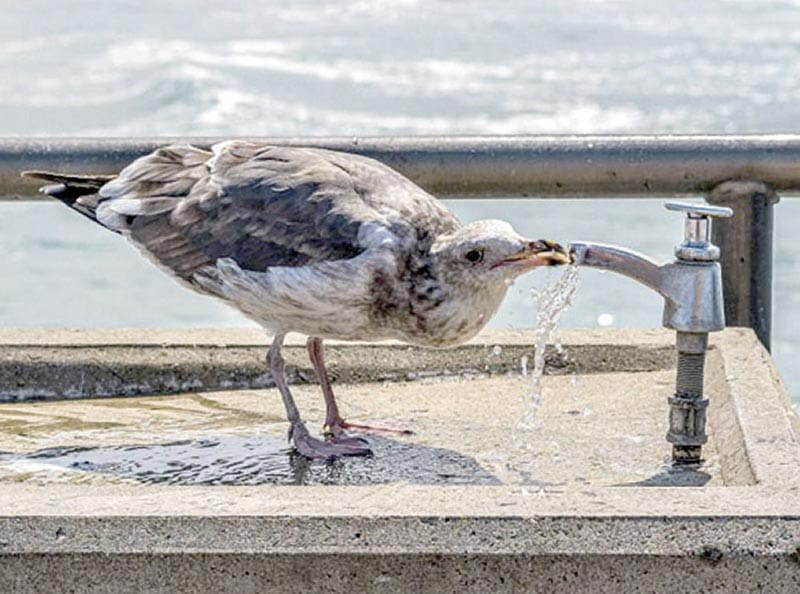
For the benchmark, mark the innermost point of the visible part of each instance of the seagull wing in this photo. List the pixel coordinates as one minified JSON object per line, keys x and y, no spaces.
{"x":263,"y":206}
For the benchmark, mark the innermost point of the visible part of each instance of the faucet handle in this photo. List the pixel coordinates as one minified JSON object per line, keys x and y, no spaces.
{"x":696,"y":211}
{"x":697,"y":246}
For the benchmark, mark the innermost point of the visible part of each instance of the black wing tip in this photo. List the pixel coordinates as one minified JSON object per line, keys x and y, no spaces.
{"x":74,"y":178}
{"x":35,"y":174}
{"x":50,"y":189}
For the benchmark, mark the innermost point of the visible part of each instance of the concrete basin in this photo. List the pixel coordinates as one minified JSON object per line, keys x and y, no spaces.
{"x":157,"y":461}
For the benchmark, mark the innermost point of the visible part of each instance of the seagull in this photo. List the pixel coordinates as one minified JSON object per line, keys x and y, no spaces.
{"x":324,"y":243}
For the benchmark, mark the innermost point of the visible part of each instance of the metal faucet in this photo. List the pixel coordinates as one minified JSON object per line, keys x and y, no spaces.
{"x":692,"y":290}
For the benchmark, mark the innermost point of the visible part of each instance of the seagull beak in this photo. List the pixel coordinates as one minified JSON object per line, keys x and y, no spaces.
{"x":539,"y":253}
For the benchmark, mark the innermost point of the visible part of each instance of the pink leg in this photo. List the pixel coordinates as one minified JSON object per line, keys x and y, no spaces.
{"x":308,"y":446}
{"x":334,"y":423}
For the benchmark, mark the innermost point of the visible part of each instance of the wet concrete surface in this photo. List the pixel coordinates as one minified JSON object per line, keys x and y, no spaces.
{"x":600,"y":429}
{"x":258,"y":460}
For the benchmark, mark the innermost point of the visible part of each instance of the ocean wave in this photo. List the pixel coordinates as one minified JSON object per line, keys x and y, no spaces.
{"x":179,"y":87}
{"x":303,"y":83}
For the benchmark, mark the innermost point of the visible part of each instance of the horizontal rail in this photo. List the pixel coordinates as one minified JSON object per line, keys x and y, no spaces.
{"x":760,"y":166}
{"x":519,"y":166}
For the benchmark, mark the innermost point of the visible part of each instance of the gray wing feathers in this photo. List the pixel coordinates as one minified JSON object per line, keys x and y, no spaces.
{"x":151,"y":185}
{"x":260,"y":206}
{"x":170,"y":171}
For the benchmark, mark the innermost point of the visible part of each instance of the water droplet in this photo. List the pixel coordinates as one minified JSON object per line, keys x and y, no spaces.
{"x":497,"y":350}
{"x":573,"y":382}
{"x":605,"y":319}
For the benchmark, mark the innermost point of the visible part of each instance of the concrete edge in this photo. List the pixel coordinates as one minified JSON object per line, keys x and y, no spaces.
{"x":226,"y":337}
{"x":443,"y":535}
{"x":707,"y":569}
{"x":760,"y":404}
{"x":724,"y":424}
{"x":397,"y":500}
{"x":78,"y":364}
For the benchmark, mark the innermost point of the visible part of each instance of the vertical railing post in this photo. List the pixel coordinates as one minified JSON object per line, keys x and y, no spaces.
{"x":745,"y":242}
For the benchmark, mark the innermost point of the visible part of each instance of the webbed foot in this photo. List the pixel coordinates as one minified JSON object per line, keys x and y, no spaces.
{"x":328,"y":449}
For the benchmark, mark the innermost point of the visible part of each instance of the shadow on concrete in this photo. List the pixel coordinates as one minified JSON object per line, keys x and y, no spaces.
{"x":263,"y":459}
{"x":673,"y":476}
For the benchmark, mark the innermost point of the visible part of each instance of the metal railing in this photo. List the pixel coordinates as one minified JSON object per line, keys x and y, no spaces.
{"x":743,"y":172}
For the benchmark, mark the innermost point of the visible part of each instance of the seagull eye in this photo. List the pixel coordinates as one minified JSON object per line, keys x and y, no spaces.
{"x":474,"y":256}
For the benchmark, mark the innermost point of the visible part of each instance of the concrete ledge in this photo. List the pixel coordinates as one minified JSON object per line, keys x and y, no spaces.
{"x":37,"y":364}
{"x":392,"y":572}
{"x":750,"y":412}
{"x":526,"y":550}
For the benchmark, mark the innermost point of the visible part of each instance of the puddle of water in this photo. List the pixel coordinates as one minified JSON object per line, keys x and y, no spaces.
{"x":248,"y":460}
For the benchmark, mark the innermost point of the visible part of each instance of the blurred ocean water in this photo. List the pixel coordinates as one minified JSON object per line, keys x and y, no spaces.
{"x":121,"y":68}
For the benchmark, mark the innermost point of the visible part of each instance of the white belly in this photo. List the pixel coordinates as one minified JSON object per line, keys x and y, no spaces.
{"x":330,"y":299}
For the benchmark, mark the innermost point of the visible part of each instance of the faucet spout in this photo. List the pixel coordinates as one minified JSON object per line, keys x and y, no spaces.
{"x":620,"y":260}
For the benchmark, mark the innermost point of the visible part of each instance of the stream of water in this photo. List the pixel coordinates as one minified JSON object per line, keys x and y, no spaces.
{"x":551,"y":301}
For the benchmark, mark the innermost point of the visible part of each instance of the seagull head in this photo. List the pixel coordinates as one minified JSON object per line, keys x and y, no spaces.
{"x":490,"y":252}
{"x":473,"y":267}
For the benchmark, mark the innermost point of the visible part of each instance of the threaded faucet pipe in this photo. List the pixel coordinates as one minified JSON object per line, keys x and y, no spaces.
{"x":687,"y":414}
{"x":689,"y":380}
